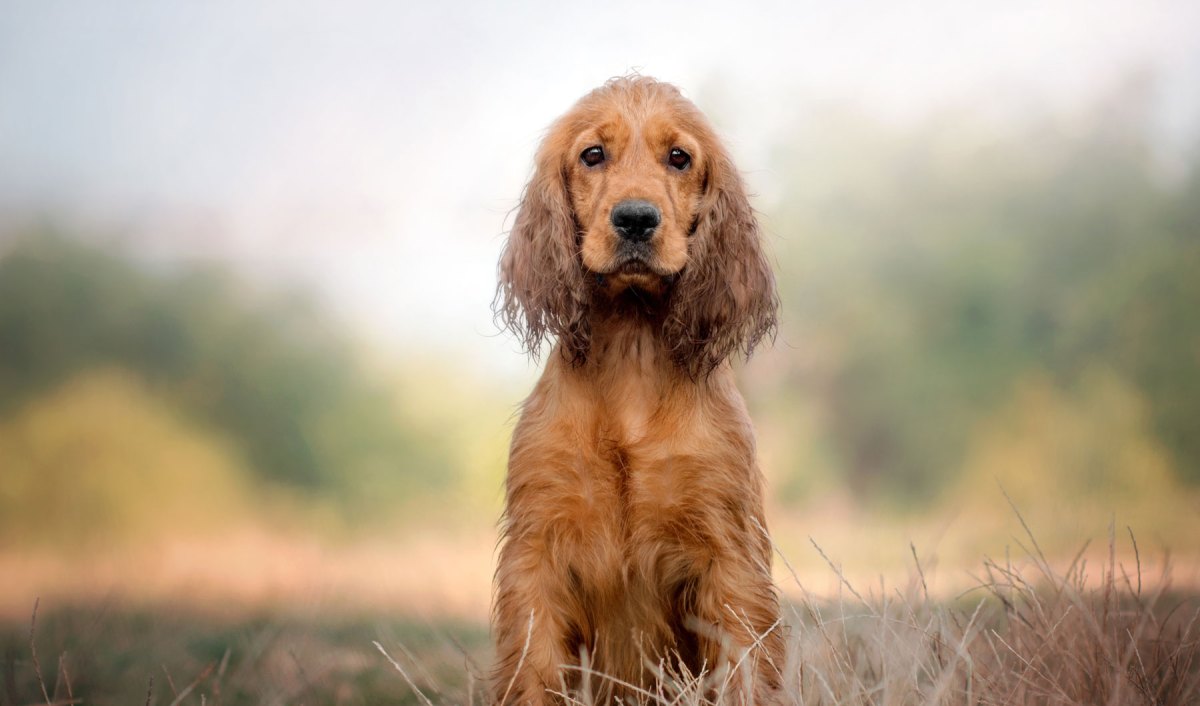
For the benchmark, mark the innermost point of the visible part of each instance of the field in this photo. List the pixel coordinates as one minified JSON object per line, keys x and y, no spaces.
{"x":259,"y":459}
{"x":1031,"y":631}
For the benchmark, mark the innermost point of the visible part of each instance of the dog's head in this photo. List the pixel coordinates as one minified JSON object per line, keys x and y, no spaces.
{"x":632,"y":190}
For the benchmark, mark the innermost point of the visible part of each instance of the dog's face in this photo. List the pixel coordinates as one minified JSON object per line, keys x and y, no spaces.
{"x":633,"y":190}
{"x":635,"y":185}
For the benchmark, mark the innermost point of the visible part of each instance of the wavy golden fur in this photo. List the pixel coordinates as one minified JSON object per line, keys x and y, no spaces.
{"x":633,"y":530}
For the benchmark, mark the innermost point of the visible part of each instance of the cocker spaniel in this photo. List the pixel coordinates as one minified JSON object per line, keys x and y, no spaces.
{"x":633,"y":530}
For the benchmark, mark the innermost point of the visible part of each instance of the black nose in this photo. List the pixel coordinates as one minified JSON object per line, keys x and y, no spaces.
{"x":635,"y":220}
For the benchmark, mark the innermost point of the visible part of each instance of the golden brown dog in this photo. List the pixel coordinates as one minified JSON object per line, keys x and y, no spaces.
{"x":633,"y":527}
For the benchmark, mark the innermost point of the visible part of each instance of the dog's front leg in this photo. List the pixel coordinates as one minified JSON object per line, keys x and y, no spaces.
{"x":737,"y":617}
{"x":532,"y":630}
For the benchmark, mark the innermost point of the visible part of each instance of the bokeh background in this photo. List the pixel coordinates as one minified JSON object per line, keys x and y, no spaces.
{"x":247,"y":256}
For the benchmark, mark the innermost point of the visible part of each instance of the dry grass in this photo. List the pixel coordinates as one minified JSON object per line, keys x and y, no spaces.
{"x":111,"y":654}
{"x":1029,"y":633}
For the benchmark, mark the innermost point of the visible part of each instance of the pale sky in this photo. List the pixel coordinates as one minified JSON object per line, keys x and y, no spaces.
{"x":374,"y":148}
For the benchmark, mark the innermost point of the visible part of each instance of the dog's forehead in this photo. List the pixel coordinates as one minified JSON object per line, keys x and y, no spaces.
{"x":654,"y":124}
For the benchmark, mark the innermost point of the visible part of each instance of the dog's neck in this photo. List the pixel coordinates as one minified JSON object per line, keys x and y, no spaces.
{"x":626,"y":338}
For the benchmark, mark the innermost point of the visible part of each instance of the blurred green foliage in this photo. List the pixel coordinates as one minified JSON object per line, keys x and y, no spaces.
{"x":99,"y":459}
{"x":928,"y":269}
{"x":270,"y":373}
{"x":942,"y":281}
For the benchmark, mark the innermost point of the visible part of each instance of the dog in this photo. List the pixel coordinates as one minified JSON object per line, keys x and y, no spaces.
{"x":633,"y":533}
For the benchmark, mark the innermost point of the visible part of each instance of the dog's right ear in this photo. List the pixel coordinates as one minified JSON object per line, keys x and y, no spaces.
{"x":541,"y":293}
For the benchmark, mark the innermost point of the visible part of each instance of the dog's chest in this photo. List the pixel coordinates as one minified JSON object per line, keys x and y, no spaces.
{"x":648,"y":462}
{"x":653,"y":451}
{"x":630,"y":411}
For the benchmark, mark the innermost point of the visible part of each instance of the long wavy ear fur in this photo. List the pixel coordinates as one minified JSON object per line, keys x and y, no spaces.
{"x":725,"y":301}
{"x":541,"y":293}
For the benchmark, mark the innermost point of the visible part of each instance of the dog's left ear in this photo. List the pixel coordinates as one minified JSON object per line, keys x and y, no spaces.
{"x":725,"y":301}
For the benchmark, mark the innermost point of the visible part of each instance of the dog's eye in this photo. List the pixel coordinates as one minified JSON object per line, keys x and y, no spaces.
{"x":592,"y":155}
{"x":679,"y":159}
